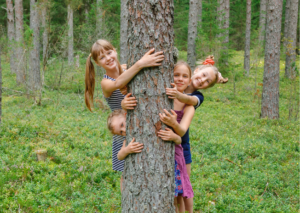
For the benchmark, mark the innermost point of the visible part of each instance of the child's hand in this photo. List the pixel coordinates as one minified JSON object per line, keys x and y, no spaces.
{"x":172,"y":92}
{"x":124,"y":90}
{"x":168,"y":119}
{"x":124,"y":66}
{"x":128,"y":102}
{"x":151,"y":60}
{"x":167,"y":134}
{"x":134,"y":147}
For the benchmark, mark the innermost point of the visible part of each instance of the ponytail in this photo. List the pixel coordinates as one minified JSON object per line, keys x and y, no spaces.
{"x":89,"y":83}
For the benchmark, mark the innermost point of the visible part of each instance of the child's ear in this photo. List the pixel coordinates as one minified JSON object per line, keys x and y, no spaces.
{"x":196,"y":70}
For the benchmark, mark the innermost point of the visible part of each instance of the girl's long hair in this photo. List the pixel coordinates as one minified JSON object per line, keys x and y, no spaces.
{"x":98,"y":47}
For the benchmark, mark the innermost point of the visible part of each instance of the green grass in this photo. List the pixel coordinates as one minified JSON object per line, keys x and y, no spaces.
{"x":241,"y":163}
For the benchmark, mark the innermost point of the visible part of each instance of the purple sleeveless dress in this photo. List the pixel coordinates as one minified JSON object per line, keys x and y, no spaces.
{"x":179,"y":158}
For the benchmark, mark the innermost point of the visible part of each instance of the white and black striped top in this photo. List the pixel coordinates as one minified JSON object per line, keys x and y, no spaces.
{"x":114,"y":102}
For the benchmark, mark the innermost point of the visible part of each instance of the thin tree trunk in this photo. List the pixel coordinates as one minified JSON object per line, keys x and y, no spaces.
{"x":270,"y":94}
{"x":226,"y":22}
{"x":200,"y":13}
{"x":262,"y":20}
{"x":123,"y":36}
{"x":149,"y":176}
{"x":45,"y":30}
{"x":11,"y":35}
{"x":0,"y":88}
{"x":192,"y":33}
{"x":20,"y":52}
{"x":221,"y":16}
{"x":34,"y":77}
{"x":291,"y":39}
{"x":70,"y":36}
{"x":247,"y":40}
{"x":86,"y":11}
{"x":286,"y":22}
{"x":99,"y":21}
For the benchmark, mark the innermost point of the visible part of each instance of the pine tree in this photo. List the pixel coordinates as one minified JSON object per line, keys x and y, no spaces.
{"x":20,"y":52}
{"x":0,"y":88}
{"x":34,"y":77}
{"x":11,"y":34}
{"x":270,"y":94}
{"x":291,"y":34}
{"x":45,"y":29}
{"x":192,"y":33}
{"x":247,"y":41}
{"x":149,"y":176}
{"x":99,"y":20}
{"x":262,"y":20}
{"x":123,"y":32}
{"x":70,"y":36}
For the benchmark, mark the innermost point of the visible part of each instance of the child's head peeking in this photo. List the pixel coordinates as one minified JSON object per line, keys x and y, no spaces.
{"x":116,"y":122}
{"x":205,"y":75}
{"x":182,"y":75}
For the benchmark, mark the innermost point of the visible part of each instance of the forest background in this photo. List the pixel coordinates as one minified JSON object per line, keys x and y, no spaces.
{"x":241,"y":162}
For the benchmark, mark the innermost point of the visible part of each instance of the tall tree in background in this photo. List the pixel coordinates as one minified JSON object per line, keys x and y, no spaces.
{"x":192,"y":33}
{"x":11,"y":34}
{"x":199,"y":13}
{"x":123,"y":32}
{"x":45,"y":29}
{"x":20,"y":72}
{"x":291,"y":37}
{"x":34,"y":77}
{"x":0,"y":88}
{"x":270,"y":94}
{"x":247,"y":40}
{"x":86,"y":11}
{"x":99,"y":20}
{"x":286,"y":22}
{"x":149,"y":176}
{"x":262,"y":20}
{"x":70,"y":35}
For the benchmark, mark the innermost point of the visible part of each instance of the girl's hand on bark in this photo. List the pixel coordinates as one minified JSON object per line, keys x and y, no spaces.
{"x":124,"y":90}
{"x":167,"y":134}
{"x":151,"y":60}
{"x":172,"y":92}
{"x":134,"y":147}
{"x":168,"y":119}
{"x":128,"y":102}
{"x":124,"y":66}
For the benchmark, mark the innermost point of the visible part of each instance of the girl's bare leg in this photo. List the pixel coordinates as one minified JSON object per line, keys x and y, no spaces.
{"x":188,"y":202}
{"x":176,"y":206}
{"x":180,"y":202}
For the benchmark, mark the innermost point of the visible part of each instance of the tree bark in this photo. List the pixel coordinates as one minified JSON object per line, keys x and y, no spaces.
{"x":34,"y":77}
{"x":70,"y":36}
{"x":247,"y":40}
{"x":0,"y":88}
{"x":123,"y":36}
{"x":270,"y":94}
{"x":11,"y":35}
{"x":20,"y":52}
{"x":45,"y":30}
{"x":86,"y":11}
{"x":226,"y":22}
{"x":291,"y":39}
{"x":262,"y":20}
{"x":192,"y":33}
{"x":286,"y":22}
{"x":221,"y":15}
{"x":99,"y":21}
{"x":200,"y":13}
{"x":149,"y":184}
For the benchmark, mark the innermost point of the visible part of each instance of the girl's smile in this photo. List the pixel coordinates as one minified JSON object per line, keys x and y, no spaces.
{"x":107,"y":59}
{"x":202,"y":79}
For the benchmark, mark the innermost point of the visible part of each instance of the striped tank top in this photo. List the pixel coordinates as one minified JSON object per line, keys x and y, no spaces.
{"x":114,"y":102}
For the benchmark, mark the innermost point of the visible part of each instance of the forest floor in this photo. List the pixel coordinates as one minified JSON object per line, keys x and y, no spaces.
{"x":241,"y":163}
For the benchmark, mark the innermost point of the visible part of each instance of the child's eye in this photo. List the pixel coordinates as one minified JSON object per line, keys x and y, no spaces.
{"x":122,"y":125}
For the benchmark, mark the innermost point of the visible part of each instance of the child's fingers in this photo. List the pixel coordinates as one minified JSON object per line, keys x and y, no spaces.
{"x":168,"y":129}
{"x":173,"y":112}
{"x":132,"y":140}
{"x":160,"y":53}
{"x":167,"y":113}
{"x":171,"y":97}
{"x":173,"y":84}
{"x":150,"y":51}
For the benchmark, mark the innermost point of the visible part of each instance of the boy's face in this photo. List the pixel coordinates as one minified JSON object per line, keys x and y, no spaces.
{"x":118,"y":124}
{"x":202,"y":79}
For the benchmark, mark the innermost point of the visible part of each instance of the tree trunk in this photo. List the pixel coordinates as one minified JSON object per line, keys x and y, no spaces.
{"x":291,"y":39}
{"x":11,"y":35}
{"x":70,"y":35}
{"x":262,"y":20}
{"x":286,"y":22}
{"x":99,"y":21}
{"x":0,"y":88}
{"x":247,"y":40}
{"x":20,"y":52}
{"x":192,"y":33}
{"x":270,"y":94}
{"x":45,"y":31}
{"x":34,"y":77}
{"x":226,"y":21}
{"x":221,"y":16}
{"x":200,"y":13}
{"x":149,"y":184}
{"x":86,"y":11}
{"x":123,"y":36}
